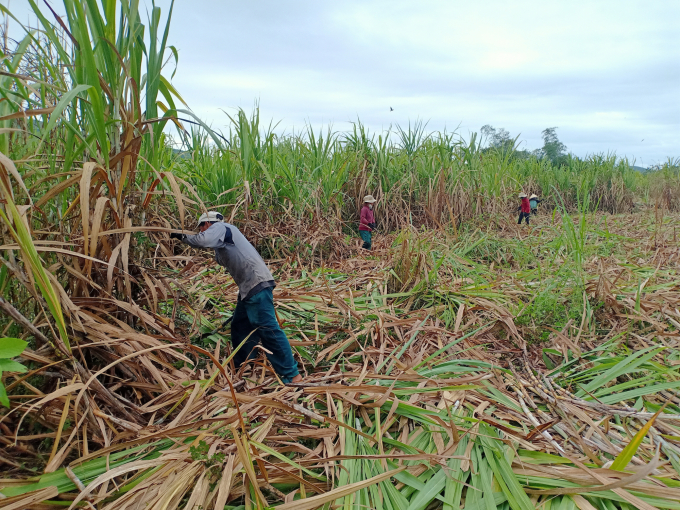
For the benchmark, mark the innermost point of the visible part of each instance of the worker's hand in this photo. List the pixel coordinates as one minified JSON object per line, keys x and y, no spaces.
{"x":177,"y":236}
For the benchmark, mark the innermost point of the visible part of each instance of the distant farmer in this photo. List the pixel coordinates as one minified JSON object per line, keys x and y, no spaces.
{"x":367,"y":221}
{"x":524,"y":209}
{"x":533,"y":202}
{"x":255,"y":303}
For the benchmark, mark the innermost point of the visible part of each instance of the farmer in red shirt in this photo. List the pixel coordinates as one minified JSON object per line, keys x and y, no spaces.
{"x":367,"y":221}
{"x":524,"y":209}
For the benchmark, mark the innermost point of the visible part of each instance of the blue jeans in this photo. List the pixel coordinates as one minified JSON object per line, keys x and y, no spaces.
{"x":256,"y":315}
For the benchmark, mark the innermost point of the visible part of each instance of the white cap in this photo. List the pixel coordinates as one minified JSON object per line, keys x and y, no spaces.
{"x":522,"y":195}
{"x":211,"y":217}
{"x":369,"y":199}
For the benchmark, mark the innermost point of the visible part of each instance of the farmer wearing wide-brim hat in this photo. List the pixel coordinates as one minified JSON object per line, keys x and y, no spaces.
{"x":254,"y":317}
{"x":533,"y":202}
{"x":367,"y":221}
{"x":524,"y":209}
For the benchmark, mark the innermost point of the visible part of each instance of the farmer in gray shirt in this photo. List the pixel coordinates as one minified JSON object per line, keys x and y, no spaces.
{"x":255,"y":304}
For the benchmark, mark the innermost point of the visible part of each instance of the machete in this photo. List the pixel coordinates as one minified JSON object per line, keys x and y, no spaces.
{"x":215,"y":331}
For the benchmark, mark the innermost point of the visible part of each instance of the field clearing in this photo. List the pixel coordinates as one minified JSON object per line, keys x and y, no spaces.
{"x":466,"y":362}
{"x":431,"y":380}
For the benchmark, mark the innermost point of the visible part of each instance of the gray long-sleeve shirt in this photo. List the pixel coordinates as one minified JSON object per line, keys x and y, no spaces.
{"x":240,"y":258}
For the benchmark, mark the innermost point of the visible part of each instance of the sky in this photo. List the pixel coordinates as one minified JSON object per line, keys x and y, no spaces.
{"x":605,"y":73}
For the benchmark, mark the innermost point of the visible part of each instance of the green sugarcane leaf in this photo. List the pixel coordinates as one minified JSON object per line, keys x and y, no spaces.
{"x":285,"y":459}
{"x":170,"y":88}
{"x":207,"y":128}
{"x":89,"y":470}
{"x":629,"y":451}
{"x":34,"y":262}
{"x":96,"y":112}
{"x":483,"y":504}
{"x":627,"y":365}
{"x":504,"y":475}
{"x":533,"y":457}
{"x":63,"y":103}
{"x":429,"y":492}
{"x":639,"y":392}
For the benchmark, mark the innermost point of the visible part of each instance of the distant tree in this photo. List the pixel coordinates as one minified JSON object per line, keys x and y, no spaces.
{"x":496,"y":138}
{"x":500,"y":140}
{"x":552,"y":149}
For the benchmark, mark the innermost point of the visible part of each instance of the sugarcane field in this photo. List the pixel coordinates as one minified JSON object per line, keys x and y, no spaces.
{"x":244,"y":317}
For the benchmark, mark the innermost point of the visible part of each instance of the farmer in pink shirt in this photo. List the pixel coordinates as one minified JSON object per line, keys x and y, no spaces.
{"x":524,"y":209}
{"x":367,"y":221}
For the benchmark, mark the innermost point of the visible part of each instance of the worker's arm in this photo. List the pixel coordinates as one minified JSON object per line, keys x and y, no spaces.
{"x":214,"y":237}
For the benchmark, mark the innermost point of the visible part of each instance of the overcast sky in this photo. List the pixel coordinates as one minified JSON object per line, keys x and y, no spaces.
{"x":606,"y":73}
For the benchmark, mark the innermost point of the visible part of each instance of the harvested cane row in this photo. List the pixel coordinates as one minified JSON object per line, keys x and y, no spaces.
{"x":397,"y":409}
